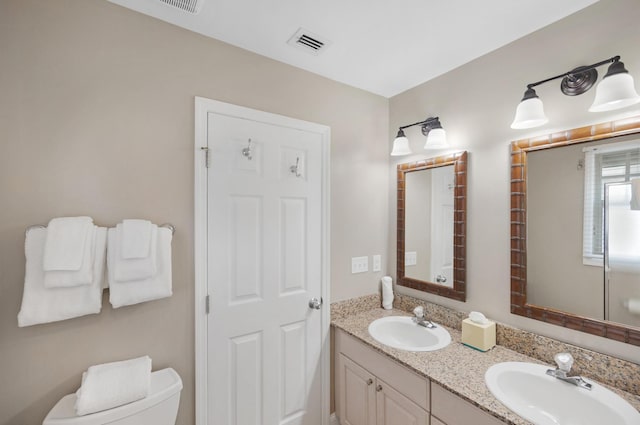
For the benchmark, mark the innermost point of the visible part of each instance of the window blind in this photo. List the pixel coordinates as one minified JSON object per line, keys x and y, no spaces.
{"x":612,"y":163}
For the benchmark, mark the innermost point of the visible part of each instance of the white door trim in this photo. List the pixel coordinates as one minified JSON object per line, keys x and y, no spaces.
{"x":203,"y":107}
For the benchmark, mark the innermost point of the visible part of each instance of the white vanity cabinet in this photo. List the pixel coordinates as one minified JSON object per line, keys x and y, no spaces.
{"x":372,"y":389}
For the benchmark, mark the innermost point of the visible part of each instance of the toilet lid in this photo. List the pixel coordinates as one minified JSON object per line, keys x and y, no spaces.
{"x":164,"y":384}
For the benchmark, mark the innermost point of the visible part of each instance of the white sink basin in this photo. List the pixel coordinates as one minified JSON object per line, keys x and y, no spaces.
{"x":545,"y":400}
{"x":403,"y":333}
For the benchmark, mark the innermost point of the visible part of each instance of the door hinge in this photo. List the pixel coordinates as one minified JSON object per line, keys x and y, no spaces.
{"x":206,"y":304}
{"x":206,"y":156}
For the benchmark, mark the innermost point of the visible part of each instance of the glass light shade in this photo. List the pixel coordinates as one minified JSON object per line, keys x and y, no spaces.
{"x":401,"y":146}
{"x":615,"y":92}
{"x":529,"y":114}
{"x":436,"y":139}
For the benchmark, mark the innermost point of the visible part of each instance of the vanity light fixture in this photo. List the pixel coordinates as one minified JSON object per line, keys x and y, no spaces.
{"x":615,"y":91}
{"x":431,"y":127}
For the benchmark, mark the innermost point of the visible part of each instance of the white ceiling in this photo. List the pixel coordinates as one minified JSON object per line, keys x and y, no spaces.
{"x":382,"y":46}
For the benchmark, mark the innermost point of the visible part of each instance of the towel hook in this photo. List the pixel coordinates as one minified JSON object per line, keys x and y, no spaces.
{"x":294,"y":168}
{"x":246,"y":152}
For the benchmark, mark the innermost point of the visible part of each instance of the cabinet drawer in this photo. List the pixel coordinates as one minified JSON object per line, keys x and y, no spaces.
{"x":453,"y":410}
{"x":412,"y":385}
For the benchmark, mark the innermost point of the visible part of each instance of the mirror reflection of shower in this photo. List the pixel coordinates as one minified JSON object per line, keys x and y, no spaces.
{"x":622,"y":251}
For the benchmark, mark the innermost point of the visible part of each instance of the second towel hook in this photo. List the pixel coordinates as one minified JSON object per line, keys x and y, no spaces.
{"x":294,"y":168}
{"x":246,"y":152}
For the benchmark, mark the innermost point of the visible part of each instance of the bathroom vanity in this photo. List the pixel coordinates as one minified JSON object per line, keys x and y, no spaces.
{"x":372,"y":389}
{"x":377,"y":384}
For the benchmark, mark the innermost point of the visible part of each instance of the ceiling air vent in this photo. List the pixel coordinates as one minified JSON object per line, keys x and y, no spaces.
{"x":191,"y":6}
{"x":309,"y":42}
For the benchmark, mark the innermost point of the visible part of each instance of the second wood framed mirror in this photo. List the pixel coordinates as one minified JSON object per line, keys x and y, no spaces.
{"x":575,"y":253}
{"x":431,"y":226}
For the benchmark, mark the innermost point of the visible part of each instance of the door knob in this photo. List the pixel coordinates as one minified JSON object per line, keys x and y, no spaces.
{"x":369,"y":381}
{"x":315,"y":303}
{"x":379,"y":388}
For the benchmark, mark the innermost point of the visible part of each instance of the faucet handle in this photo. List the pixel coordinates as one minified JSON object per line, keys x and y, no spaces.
{"x":564,"y":361}
{"x":419,"y":311}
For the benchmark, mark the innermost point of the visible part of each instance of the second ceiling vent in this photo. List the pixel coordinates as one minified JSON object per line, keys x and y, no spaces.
{"x":191,"y":6}
{"x":309,"y":42}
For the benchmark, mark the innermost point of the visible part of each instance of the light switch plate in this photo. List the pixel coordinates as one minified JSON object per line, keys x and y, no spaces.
{"x":377,"y":263}
{"x":359,"y":264}
{"x":410,"y":258}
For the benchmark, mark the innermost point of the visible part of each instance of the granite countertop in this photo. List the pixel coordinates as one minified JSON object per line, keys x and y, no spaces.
{"x":457,"y":368}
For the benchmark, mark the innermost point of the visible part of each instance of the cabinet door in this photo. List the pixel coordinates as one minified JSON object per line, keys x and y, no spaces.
{"x":357,"y":394}
{"x":394,"y":408}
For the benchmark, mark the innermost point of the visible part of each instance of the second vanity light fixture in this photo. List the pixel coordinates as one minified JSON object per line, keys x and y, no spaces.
{"x":615,"y":91}
{"x":431,"y":127}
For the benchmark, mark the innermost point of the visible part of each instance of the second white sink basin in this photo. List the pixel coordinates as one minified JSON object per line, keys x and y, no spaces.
{"x":403,"y":333}
{"x":527,"y":390}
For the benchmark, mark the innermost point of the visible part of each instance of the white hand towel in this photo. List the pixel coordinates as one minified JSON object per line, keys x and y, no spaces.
{"x":134,"y":269}
{"x":65,"y":243}
{"x":42,"y":305}
{"x":111,"y":385}
{"x":83,"y":276}
{"x":387,"y":293}
{"x":135,"y":240}
{"x":153,"y":288}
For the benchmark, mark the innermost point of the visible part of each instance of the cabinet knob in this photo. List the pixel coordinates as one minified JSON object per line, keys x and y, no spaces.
{"x":379,"y":388}
{"x":369,"y":381}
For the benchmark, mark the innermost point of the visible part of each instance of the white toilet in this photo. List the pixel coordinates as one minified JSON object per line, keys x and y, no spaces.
{"x":160,"y":407}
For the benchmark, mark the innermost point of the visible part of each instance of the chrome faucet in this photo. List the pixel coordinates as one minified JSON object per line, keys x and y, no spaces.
{"x":564,"y":362}
{"x":420,"y":320}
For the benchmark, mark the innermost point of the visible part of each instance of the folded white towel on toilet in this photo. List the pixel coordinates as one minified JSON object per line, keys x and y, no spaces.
{"x":65,"y":244}
{"x":43,"y":305}
{"x":82,"y":276}
{"x":135,"y":238}
{"x":131,"y":269}
{"x":111,"y":385}
{"x":152,"y":288}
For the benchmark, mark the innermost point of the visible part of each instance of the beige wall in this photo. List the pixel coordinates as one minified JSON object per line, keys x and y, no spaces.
{"x":96,"y":118}
{"x":476,"y":104}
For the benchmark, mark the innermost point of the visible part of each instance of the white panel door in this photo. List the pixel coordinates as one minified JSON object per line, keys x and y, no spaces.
{"x":442,"y":187}
{"x":264,"y":266}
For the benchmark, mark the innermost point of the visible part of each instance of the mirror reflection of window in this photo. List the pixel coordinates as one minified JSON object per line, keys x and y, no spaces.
{"x":604,"y":164}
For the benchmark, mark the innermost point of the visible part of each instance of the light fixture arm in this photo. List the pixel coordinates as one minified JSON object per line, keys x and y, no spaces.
{"x":573,"y":73}
{"x":429,"y":122}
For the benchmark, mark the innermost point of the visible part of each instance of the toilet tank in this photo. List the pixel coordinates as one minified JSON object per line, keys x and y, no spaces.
{"x":160,"y":407}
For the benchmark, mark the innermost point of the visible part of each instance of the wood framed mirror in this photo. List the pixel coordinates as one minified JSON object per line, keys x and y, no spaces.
{"x":572,"y":255}
{"x":431,"y":226}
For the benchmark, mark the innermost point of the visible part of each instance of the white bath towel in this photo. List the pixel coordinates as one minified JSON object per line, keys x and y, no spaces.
{"x":65,"y":243}
{"x":42,"y":305}
{"x":135,"y":238}
{"x":153,"y":288}
{"x":82,"y":276}
{"x":111,"y":385}
{"x":132,"y":269}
